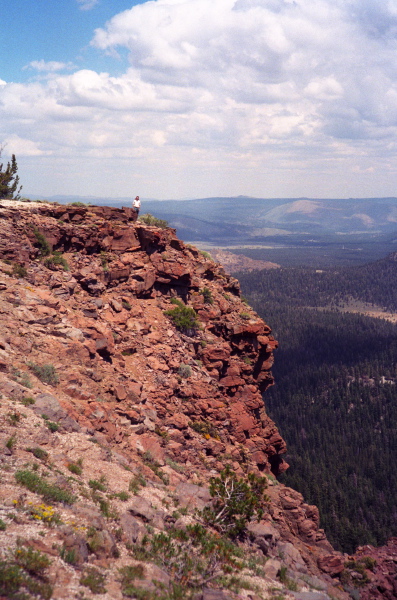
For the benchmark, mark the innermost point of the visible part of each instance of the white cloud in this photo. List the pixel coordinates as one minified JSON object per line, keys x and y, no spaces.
{"x":23,"y":147}
{"x":87,"y":4}
{"x":270,"y":95}
{"x":49,"y":67}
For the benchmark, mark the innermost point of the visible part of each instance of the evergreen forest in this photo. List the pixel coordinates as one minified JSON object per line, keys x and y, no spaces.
{"x":335,"y":398}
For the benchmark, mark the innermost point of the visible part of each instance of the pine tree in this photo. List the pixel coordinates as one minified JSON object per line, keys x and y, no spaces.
{"x":9,"y":180}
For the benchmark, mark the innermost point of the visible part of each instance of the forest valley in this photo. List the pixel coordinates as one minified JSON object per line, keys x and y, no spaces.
{"x":335,"y":395}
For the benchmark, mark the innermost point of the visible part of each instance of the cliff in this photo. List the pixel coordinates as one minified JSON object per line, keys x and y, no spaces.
{"x":132,"y":372}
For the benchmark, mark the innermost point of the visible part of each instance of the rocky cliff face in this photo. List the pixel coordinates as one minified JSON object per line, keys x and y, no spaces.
{"x":98,"y":381}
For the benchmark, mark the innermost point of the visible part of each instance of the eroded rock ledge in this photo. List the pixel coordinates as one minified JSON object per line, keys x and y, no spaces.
{"x":103,"y":321}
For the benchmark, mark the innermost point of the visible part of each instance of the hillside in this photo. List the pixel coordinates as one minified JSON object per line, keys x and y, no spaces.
{"x":335,"y":398}
{"x":131,"y":375}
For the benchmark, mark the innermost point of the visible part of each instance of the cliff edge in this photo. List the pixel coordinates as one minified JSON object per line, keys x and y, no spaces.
{"x":131,"y":372}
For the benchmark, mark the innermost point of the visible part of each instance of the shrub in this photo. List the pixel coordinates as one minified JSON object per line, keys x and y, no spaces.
{"x":136,"y":483}
{"x":14,"y":418}
{"x":206,"y":254}
{"x":368,"y":562}
{"x":46,"y":373}
{"x":11,"y":578}
{"x":94,"y":580}
{"x":3,"y":525}
{"x":184,"y":371}
{"x":207,"y":295}
{"x":183,"y":317}
{"x":149,"y":219}
{"x":11,"y":442}
{"x":289,"y":583}
{"x":56,"y":259}
{"x":19,"y":270}
{"x":42,"y":242}
{"x":236,"y":501}
{"x":128,"y":574}
{"x":192,"y":556}
{"x":104,"y":261}
{"x":98,"y":485}
{"x":28,"y":400}
{"x":68,"y":556}
{"x":53,"y":427}
{"x":32,"y":561}
{"x":24,"y":380}
{"x":76,"y":467}
{"x":245,"y":316}
{"x":39,"y":453}
{"x":123,"y":496}
{"x":38,"y":485}
{"x":45,"y":513}
{"x":206,"y":429}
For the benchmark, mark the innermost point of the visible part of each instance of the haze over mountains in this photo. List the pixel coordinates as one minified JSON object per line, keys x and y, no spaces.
{"x":245,"y":218}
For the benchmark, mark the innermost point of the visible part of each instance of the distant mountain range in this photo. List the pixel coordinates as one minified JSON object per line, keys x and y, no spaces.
{"x":246,"y":219}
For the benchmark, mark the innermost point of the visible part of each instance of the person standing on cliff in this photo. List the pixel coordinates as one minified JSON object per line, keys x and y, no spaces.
{"x":136,"y":205}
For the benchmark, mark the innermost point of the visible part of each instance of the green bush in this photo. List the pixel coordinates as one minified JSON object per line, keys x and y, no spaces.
{"x":19,"y":270}
{"x":136,"y":483}
{"x":123,"y":496}
{"x":53,"y":427}
{"x":56,"y":259}
{"x":68,"y":556}
{"x":207,"y":295}
{"x":149,"y":219}
{"x":38,"y":485}
{"x":236,"y":502}
{"x":11,"y":578}
{"x":25,"y":570}
{"x":94,"y":580}
{"x":183,"y":317}
{"x":14,"y":418}
{"x":11,"y":442}
{"x":28,"y":400}
{"x":46,"y":373}
{"x":191,"y":556}
{"x":206,"y":429}
{"x":32,"y":561}
{"x":98,"y":485}
{"x":42,"y":242}
{"x":39,"y":453}
{"x":184,"y":371}
{"x":76,"y":467}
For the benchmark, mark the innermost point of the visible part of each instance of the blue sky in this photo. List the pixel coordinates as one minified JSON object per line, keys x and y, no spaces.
{"x":52,"y":30}
{"x":193,"y":98}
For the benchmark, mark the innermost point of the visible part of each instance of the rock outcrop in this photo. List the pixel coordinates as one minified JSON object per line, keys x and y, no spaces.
{"x":100,"y":381}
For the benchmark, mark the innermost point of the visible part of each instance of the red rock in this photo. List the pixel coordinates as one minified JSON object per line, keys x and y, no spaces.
{"x":332,"y":564}
{"x":259,"y":457}
{"x":120,"y":392}
{"x":178,"y":420}
{"x":231,"y":381}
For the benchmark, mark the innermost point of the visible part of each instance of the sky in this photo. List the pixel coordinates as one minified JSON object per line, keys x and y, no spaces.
{"x":199,"y":98}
